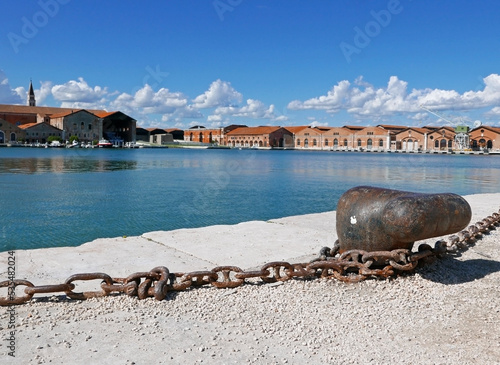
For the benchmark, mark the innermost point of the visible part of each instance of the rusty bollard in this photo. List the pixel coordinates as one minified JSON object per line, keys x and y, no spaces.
{"x":376,"y":219}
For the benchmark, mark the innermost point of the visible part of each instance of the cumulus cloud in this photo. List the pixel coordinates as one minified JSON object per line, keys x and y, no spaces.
{"x":219,"y":94}
{"x":8,"y":95}
{"x":318,"y":124}
{"x":148,"y":101}
{"x":43,"y":92}
{"x":253,"y":109}
{"x":363,"y":100}
{"x":78,"y":91}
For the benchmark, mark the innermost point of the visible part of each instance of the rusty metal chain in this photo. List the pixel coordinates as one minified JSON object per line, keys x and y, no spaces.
{"x":350,"y":266}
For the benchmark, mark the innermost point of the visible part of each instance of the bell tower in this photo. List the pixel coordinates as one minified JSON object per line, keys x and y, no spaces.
{"x":31,"y":96}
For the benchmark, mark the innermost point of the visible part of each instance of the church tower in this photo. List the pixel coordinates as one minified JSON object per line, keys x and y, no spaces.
{"x":31,"y":96}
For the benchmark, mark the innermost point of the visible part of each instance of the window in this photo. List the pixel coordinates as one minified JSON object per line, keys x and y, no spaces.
{"x":369,"y":133}
{"x":306,"y":143}
{"x":298,"y":141}
{"x":314,"y":142}
{"x":345,"y":142}
{"x":326,"y":142}
{"x":381,"y":143}
{"x":359,"y":143}
{"x":369,"y":143}
{"x":83,"y":125}
{"x":90,"y":127}
{"x":335,"y":142}
{"x":335,"y":133}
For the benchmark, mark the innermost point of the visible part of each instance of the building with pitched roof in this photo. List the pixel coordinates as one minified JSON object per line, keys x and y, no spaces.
{"x":485,"y":137}
{"x":201,"y":134}
{"x":40,"y":132}
{"x":441,"y":139}
{"x":337,"y":138}
{"x":10,"y":133}
{"x":260,"y":137}
{"x":87,"y":125}
{"x":412,"y":139}
{"x":306,"y":137}
{"x":84,"y":125}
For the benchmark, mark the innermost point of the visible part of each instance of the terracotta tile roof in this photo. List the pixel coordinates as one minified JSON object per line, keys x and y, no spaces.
{"x":296,"y":129}
{"x":392,"y":127}
{"x":42,"y":110}
{"x":323,"y":129}
{"x":253,"y":130}
{"x":353,"y":127}
{"x":417,"y":129}
{"x":30,"y":125}
{"x":494,"y":129}
{"x":104,"y":114}
{"x":27,"y":125}
{"x":168,"y":130}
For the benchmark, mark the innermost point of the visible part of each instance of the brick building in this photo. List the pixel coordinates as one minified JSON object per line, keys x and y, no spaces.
{"x":40,"y":132}
{"x":262,"y":136}
{"x":485,"y":137}
{"x":10,"y":133}
{"x":203,"y":135}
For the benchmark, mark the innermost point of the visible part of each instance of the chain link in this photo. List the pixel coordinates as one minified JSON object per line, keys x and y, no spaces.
{"x":350,"y":266}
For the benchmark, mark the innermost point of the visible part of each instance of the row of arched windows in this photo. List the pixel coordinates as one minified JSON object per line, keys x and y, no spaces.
{"x":2,"y":137}
{"x":369,"y":142}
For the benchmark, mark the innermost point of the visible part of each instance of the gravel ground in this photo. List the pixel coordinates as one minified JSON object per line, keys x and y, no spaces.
{"x":446,"y":313}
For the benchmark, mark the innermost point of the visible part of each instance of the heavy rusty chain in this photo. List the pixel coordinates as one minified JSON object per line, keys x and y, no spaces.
{"x":350,"y":266}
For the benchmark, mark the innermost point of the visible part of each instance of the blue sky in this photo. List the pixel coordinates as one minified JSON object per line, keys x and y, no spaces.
{"x":285,"y":62}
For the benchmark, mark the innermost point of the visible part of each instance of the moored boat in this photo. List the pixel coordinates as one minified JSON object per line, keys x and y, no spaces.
{"x":104,"y":143}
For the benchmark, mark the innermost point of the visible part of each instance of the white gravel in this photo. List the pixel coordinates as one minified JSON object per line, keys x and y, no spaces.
{"x":446,"y":313}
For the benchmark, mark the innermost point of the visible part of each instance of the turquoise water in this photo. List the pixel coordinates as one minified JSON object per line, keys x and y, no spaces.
{"x":65,"y":197}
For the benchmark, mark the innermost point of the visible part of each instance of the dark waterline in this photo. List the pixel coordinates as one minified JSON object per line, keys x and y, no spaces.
{"x":65,"y":197}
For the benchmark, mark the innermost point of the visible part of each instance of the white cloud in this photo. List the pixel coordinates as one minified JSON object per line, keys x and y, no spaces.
{"x":9,"y":95}
{"x":43,"y":92}
{"x":78,"y":91}
{"x":214,"y":118}
{"x":494,"y":112}
{"x":334,"y":100}
{"x":254,"y":109}
{"x":147,"y":101}
{"x":363,"y":100}
{"x":318,"y":124}
{"x":219,"y":94}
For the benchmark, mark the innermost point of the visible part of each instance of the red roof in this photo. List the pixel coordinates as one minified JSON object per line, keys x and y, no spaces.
{"x":253,"y":130}
{"x":296,"y":129}
{"x":104,"y":114}
{"x":27,"y":125}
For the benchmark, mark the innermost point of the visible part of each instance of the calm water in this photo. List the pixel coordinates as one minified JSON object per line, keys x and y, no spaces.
{"x":65,"y":197}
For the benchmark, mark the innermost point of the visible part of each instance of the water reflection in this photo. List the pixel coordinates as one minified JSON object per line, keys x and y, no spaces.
{"x":60,"y":201}
{"x":62,"y":165}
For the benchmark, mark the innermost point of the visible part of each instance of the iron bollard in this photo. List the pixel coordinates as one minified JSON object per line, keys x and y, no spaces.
{"x":377,"y":219}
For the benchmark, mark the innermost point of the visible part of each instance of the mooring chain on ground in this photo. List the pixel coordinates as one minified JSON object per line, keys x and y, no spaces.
{"x":351,"y":266}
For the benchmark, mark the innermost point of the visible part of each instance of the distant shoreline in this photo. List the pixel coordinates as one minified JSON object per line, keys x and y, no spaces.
{"x":200,"y":147}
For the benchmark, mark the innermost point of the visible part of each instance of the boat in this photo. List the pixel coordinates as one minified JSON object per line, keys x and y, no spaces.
{"x":54,"y":144}
{"x":104,"y":143}
{"x":75,"y":144}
